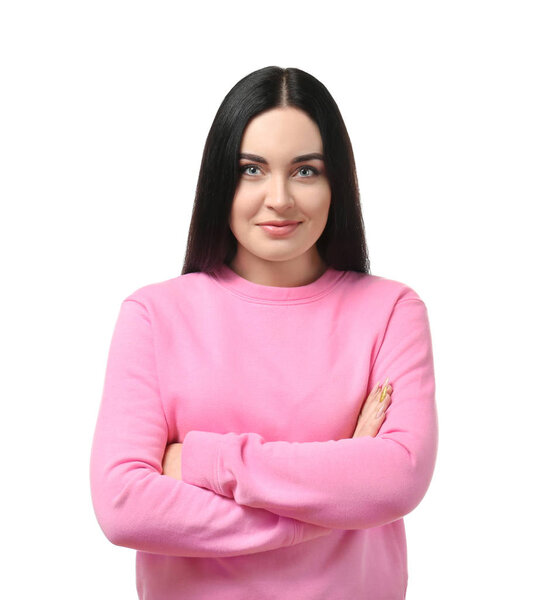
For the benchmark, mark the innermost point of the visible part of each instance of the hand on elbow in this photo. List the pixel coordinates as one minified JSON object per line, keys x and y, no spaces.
{"x":373,"y":411}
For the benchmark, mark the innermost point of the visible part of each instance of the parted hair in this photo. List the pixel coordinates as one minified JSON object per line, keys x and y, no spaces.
{"x":342,"y":244}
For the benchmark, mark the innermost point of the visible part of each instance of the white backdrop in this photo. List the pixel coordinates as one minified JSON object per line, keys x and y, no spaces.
{"x":104,"y":111}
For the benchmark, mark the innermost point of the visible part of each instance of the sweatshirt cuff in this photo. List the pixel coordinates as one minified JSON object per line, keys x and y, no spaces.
{"x":200,"y":459}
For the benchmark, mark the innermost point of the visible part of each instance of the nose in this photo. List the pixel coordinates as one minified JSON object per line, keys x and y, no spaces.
{"x":278,"y":194}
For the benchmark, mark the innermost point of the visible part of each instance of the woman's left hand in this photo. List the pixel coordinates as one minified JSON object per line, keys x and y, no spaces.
{"x":172,"y":461}
{"x":372,"y":414}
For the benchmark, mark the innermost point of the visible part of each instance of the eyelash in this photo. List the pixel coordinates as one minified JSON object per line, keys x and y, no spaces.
{"x":313,"y":169}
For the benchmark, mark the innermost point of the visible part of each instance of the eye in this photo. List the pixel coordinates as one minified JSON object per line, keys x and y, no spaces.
{"x":245,"y":167}
{"x":309,"y":168}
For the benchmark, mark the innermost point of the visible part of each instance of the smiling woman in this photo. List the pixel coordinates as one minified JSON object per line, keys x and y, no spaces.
{"x":281,"y":204}
{"x":244,"y":445}
{"x":277,"y":149}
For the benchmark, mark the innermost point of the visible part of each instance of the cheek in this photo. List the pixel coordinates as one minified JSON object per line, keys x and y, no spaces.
{"x":244,"y":208}
{"x":247,"y":198}
{"x":319,"y":203}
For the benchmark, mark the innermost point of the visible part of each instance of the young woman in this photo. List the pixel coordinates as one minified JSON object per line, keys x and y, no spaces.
{"x":268,"y":416}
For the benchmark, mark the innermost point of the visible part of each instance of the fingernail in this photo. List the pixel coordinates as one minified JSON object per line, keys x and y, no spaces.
{"x":385,"y":389}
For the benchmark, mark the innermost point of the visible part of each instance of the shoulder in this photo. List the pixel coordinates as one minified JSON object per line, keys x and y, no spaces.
{"x":161,"y":295}
{"x":391,"y":305}
{"x":381,"y":289}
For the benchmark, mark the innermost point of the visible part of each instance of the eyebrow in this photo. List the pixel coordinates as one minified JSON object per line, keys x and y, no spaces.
{"x":303,"y":157}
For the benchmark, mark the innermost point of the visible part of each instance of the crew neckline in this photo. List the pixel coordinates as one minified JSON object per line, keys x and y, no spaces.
{"x":247,"y":289}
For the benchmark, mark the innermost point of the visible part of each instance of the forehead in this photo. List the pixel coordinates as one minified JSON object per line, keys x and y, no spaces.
{"x":285,"y":131}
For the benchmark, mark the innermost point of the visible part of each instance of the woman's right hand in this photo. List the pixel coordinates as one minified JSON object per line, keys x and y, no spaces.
{"x":372,"y":413}
{"x":172,"y":461}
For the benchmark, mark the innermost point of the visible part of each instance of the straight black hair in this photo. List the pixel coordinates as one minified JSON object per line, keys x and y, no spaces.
{"x":342,"y":244}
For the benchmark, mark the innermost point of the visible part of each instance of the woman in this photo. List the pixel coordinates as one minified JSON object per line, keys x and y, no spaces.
{"x":243,"y":445}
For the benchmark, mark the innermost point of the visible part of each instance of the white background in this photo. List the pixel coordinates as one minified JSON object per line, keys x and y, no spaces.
{"x":105,"y":108}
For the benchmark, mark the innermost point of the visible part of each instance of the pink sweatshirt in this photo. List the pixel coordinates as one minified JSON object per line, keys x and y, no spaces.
{"x":263,"y":386}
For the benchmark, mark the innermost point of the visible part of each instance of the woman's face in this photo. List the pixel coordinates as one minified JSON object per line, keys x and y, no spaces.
{"x":280,"y":183}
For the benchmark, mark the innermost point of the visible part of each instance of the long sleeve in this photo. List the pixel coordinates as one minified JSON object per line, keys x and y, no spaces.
{"x":346,"y":483}
{"x":135,"y":504}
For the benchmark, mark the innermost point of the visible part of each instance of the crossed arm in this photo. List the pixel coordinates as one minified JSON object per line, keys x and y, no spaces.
{"x":370,"y":419}
{"x":367,"y":481}
{"x":238,"y":494}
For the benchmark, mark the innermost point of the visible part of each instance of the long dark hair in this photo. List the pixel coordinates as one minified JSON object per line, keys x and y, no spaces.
{"x":342,"y":244}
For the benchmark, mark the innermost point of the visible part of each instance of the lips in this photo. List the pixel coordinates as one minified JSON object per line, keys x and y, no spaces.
{"x":280,"y":230}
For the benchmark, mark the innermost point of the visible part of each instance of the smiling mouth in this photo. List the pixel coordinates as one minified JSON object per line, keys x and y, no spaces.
{"x":280,"y":230}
